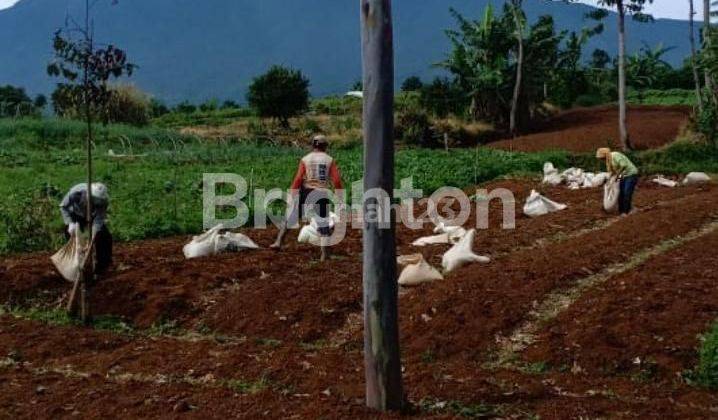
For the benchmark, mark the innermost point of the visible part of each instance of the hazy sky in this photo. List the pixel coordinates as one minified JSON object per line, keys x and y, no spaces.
{"x":676,"y":9}
{"x":662,"y":8}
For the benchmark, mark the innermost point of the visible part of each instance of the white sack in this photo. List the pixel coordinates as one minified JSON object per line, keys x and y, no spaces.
{"x":696,"y":178}
{"x":453,"y":236}
{"x":309,"y":234}
{"x":664,"y":182}
{"x":551,"y":175}
{"x":68,"y":260}
{"x":419,"y":273}
{"x":538,"y":205}
{"x":462,"y":254}
{"x":611,"y":192}
{"x":213,"y":243}
{"x":404,"y":260}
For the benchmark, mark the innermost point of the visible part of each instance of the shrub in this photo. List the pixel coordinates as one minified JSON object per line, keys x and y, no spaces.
{"x":706,"y":374}
{"x":128,"y":105}
{"x":412,"y":84}
{"x":280,"y":93}
{"x":26,"y":223}
{"x":14,"y":102}
{"x":414,"y":128}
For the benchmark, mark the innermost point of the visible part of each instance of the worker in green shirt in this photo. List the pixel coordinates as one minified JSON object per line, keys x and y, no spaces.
{"x":620,"y":166}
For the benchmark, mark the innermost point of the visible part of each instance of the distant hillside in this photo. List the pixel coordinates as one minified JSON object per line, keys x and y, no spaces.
{"x":191,"y":49}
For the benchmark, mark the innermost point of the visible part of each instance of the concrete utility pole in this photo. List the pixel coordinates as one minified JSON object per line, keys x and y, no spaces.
{"x":381,"y":332}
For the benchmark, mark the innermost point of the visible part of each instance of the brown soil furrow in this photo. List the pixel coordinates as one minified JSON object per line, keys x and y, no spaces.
{"x":478,"y":302}
{"x":557,"y":302}
{"x":643,"y":323}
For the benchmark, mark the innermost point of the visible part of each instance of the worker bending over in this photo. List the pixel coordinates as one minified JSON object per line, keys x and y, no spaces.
{"x":74,"y":214}
{"x":618,"y":165}
{"x":316,"y":174}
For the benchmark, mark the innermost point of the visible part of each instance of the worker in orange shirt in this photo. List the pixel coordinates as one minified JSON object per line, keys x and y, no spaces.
{"x":317,"y":173}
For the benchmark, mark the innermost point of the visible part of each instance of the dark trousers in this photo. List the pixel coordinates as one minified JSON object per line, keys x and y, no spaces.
{"x":320,"y":203}
{"x":625,"y":198}
{"x":103,"y":248}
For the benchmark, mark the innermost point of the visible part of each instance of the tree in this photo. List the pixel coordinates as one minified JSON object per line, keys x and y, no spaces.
{"x":86,"y":70}
{"x":382,"y":358}
{"x":600,"y":59}
{"x":40,"y":101}
{"x":646,"y":69}
{"x":14,"y":102}
{"x":412,"y":84}
{"x":442,"y":97}
{"x":623,"y":8}
{"x":694,"y":59}
{"x":707,"y":40}
{"x":485,"y":63}
{"x":280,"y":93}
{"x":519,"y":19}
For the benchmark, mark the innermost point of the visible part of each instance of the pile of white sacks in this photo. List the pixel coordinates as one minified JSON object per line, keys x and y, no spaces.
{"x":574,"y":178}
{"x":418,"y":271}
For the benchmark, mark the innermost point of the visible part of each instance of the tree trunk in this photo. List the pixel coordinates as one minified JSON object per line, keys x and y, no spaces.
{"x":694,"y":63}
{"x":622,"y":111}
{"x":519,"y":68}
{"x":381,"y":332}
{"x":706,"y":42}
{"x":88,"y":274}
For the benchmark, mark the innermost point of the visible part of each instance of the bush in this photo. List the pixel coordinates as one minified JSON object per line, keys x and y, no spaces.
{"x":443,"y":97}
{"x":414,"y":128}
{"x":128,"y":105}
{"x":14,"y":102}
{"x":280,"y":93}
{"x":706,"y":374}
{"x":26,"y":223}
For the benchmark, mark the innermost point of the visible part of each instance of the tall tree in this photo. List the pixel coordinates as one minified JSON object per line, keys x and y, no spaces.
{"x":381,"y":330}
{"x":624,"y":8}
{"x":519,"y":21}
{"x":694,"y":61}
{"x":707,"y":39}
{"x":86,"y":70}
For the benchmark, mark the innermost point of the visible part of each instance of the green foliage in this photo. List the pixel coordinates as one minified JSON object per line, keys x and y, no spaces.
{"x":483,"y":63}
{"x":128,"y":105}
{"x":443,"y":97}
{"x":412,"y":84}
{"x":280,"y":93}
{"x":413,"y":127}
{"x":706,"y":373}
{"x":662,"y":97}
{"x":14,"y":102}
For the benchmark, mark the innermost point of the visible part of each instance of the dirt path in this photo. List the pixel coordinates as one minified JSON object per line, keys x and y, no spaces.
{"x":585,"y":130}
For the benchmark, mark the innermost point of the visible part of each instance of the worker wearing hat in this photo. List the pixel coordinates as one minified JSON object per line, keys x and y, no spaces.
{"x":74,"y":213}
{"x":316,"y":174}
{"x":620,"y":166}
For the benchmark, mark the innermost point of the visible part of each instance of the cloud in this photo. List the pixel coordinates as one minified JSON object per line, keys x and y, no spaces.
{"x":4,"y":4}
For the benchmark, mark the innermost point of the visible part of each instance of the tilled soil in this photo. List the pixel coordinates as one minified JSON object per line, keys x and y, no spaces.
{"x":645,"y":323}
{"x":280,"y":335}
{"x":585,"y":130}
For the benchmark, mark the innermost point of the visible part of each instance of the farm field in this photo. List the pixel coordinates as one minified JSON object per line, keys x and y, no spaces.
{"x":584,"y":130}
{"x":579,"y":314}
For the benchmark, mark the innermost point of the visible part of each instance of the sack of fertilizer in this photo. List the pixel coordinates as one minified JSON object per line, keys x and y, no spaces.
{"x":419,"y":272}
{"x":462,"y":254}
{"x":591,"y":180}
{"x":611,"y":192}
{"x":405,"y":260}
{"x":538,"y":205}
{"x":309,"y":234}
{"x":213,"y":242}
{"x":664,"y":182}
{"x":68,"y":260}
{"x":696,"y":178}
{"x":551,"y":175}
{"x":451,"y":236}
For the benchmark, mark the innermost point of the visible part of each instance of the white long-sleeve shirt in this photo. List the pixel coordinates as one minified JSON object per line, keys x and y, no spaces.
{"x":74,"y":206}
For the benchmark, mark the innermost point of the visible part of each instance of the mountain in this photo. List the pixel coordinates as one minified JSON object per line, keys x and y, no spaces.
{"x":196,"y":50}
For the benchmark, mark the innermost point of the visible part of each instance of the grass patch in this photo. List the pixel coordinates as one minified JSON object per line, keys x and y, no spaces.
{"x":160,"y":193}
{"x":459,"y":409}
{"x":706,"y":373}
{"x":248,"y":387}
{"x":268,"y":342}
